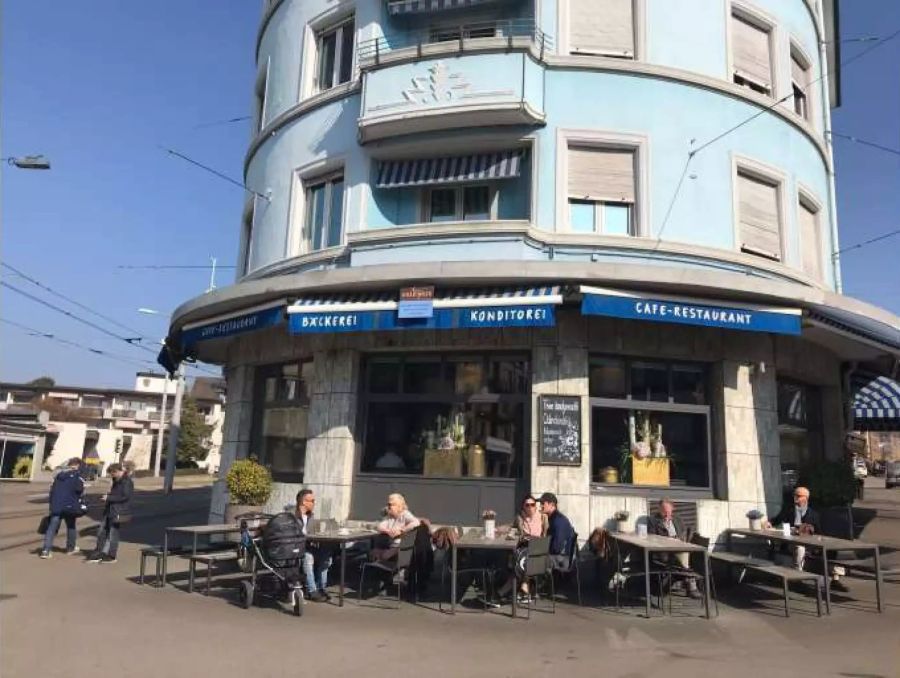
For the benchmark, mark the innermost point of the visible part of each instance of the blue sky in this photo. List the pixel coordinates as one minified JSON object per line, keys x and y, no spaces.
{"x":98,"y":86}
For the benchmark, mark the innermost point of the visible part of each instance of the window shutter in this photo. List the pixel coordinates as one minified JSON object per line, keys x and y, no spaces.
{"x":809,"y":241}
{"x":750,"y":52}
{"x":799,"y":73}
{"x":760,"y":227}
{"x":602,"y":27}
{"x":602,"y":174}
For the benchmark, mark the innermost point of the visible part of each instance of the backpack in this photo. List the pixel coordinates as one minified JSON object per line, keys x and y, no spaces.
{"x":283,"y":537}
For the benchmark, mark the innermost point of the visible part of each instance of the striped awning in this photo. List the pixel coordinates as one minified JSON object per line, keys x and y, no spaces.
{"x":449,"y":170}
{"x":418,"y":6}
{"x":876,"y":402}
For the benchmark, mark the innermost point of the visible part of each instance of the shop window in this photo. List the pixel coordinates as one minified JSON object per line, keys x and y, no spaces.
{"x":649,"y":423}
{"x":446,"y":415}
{"x":280,"y":415}
{"x":799,"y":428}
{"x":334,"y":47}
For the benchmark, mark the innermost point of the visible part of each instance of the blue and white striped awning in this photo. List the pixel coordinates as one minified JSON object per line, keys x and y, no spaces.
{"x":876,"y":402}
{"x":449,"y":170}
{"x":469,"y":308}
{"x":417,"y":6}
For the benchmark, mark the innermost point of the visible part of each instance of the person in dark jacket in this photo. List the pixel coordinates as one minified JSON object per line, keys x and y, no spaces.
{"x":115,"y":512}
{"x":666,"y":524}
{"x":802,"y":518}
{"x":559,"y":529}
{"x":65,"y":504}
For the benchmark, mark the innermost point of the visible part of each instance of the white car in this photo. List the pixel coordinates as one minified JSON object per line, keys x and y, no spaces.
{"x":859,"y":467}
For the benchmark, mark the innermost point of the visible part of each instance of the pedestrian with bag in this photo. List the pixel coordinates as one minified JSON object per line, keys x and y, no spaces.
{"x":116,"y":511}
{"x":65,"y":505}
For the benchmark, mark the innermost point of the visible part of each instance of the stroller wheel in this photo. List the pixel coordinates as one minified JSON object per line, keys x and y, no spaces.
{"x":245,"y":592}
{"x":297,"y":597}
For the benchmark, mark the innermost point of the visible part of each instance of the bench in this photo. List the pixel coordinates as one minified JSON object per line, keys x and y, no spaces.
{"x":766,"y":567}
{"x":866,"y":565}
{"x":157,"y":553}
{"x":209,"y":559}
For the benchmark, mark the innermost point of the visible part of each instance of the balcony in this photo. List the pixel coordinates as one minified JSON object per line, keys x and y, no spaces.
{"x":473,"y":75}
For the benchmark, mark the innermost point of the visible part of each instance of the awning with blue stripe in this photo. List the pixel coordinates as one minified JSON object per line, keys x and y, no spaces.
{"x":419,"y":6}
{"x":876,"y":402}
{"x":246,"y":320}
{"x":449,"y":169}
{"x":452,"y":309}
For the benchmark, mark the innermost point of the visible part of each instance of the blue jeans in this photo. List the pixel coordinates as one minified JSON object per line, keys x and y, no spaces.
{"x":108,"y":537}
{"x":315,"y":569}
{"x":53,"y":528}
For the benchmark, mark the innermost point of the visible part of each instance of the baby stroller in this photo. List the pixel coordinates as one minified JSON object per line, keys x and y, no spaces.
{"x":275,"y":562}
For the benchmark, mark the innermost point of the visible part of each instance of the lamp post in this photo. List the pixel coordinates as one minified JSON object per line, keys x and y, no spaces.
{"x":29,"y":162}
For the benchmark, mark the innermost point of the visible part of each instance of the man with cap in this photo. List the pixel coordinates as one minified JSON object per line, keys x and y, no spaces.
{"x":559,"y":529}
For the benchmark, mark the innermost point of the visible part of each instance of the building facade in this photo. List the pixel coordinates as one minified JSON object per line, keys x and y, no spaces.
{"x":579,"y":246}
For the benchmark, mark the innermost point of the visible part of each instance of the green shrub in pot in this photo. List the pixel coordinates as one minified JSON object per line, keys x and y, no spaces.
{"x":830,"y":483}
{"x":249,"y":486}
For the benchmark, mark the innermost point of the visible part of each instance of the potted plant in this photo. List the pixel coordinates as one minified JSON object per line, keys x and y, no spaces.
{"x":832,"y":486}
{"x":249,"y":485}
{"x":621,"y":518}
{"x":490,"y":524}
{"x":755,"y":517}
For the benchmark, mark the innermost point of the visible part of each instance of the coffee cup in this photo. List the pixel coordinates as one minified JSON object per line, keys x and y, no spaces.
{"x":786,"y":529}
{"x":641,"y":529}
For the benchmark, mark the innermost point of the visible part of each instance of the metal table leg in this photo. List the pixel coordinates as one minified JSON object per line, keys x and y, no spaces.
{"x":647,"y":580}
{"x":165,"y":558}
{"x":878,"y":578}
{"x":343,"y":572}
{"x":827,"y":575}
{"x":453,"y":579}
{"x":706,"y":580}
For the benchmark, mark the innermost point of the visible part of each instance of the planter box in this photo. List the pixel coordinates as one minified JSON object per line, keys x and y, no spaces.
{"x":446,"y":463}
{"x":650,"y":471}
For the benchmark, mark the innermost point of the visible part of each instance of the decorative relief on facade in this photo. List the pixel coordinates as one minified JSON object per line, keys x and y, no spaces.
{"x":439,"y":87}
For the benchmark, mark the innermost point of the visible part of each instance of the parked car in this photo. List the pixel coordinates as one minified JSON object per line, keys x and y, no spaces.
{"x":859,"y":467}
{"x":892,"y":474}
{"x":878,"y":467}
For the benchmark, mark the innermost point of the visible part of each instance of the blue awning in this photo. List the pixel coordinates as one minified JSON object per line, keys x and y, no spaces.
{"x":683,"y":311}
{"x":417,"y":6}
{"x":452,"y":309}
{"x":449,"y":169}
{"x":247,"y":320}
{"x":876,"y":402}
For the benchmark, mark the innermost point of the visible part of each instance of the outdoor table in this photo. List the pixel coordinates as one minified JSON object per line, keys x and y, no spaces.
{"x":473,"y":542}
{"x":342,"y":538}
{"x":654,"y":543}
{"x":824,"y":545}
{"x":195,"y":531}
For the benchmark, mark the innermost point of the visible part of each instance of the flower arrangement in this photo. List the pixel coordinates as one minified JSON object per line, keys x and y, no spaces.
{"x":754,"y":514}
{"x":621,"y":516}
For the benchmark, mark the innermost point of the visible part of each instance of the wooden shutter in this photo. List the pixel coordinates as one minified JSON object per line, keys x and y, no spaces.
{"x":602,"y":27}
{"x":751,"y":55}
{"x":602,"y":174}
{"x":810,"y":246}
{"x":758,"y":214}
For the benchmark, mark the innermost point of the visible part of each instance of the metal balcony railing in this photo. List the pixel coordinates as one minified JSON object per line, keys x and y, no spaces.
{"x":466,"y":37}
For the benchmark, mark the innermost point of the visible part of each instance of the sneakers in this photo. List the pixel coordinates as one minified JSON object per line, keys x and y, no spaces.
{"x":46,"y":554}
{"x":95,"y":558}
{"x":109,"y":560}
{"x":318,"y":596}
{"x":73,"y":551}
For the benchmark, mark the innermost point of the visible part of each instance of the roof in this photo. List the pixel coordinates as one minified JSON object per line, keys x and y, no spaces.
{"x":88,"y":390}
{"x":208,"y":388}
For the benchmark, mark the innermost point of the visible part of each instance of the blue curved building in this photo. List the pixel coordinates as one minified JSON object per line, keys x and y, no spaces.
{"x":579,"y":246}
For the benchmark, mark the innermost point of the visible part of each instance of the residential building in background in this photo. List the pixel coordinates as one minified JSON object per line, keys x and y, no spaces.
{"x":496,"y":246}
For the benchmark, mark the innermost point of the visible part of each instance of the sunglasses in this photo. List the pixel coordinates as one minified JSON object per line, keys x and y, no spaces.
{"x":530,"y":503}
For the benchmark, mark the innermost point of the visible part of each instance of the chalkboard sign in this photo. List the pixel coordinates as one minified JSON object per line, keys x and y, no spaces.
{"x":560,"y":422}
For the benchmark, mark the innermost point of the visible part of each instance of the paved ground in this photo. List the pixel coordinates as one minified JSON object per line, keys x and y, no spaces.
{"x":64,"y":617}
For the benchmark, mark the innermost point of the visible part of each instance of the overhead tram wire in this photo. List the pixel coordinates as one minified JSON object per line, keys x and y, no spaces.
{"x":863,"y":142}
{"x":161,"y":267}
{"x":215,"y":172}
{"x":883,"y":236}
{"x":693,"y":153}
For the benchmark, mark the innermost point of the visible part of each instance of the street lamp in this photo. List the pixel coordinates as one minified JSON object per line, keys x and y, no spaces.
{"x":29,"y":162}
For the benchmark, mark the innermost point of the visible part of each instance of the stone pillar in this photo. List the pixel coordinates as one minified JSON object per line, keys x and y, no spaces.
{"x":560,"y":367}
{"x":235,"y":432}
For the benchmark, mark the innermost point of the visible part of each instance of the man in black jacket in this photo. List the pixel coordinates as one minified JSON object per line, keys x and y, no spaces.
{"x":65,"y":505}
{"x":802,"y":518}
{"x":115,"y":512}
{"x":666,"y":524}
{"x":559,"y":529}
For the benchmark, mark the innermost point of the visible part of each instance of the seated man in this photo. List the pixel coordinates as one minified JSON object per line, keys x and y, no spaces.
{"x":559,"y":529}
{"x":666,"y":524}
{"x":316,"y":560}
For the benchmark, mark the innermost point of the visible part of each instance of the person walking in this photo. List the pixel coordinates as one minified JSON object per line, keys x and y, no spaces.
{"x":116,"y":510}
{"x":65,"y":505}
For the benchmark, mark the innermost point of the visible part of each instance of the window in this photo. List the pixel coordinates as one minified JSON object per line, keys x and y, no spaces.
{"x":259,"y":93}
{"x":466,"y":32}
{"x":810,"y":245}
{"x":425,"y":414}
{"x":800,"y":81}
{"x":280,"y":414}
{"x":799,"y":428}
{"x":335,"y":55}
{"x":759,"y":215}
{"x":604,"y":27}
{"x":460,"y":203}
{"x":247,"y":236}
{"x":601,"y":190}
{"x":751,"y":54}
{"x":649,"y":423}
{"x":324,"y":213}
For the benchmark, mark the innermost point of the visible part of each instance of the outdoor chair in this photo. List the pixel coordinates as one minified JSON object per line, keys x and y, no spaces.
{"x":695,"y":574}
{"x":572,"y":568}
{"x":625,"y":573}
{"x":399,"y":568}
{"x":538,"y":567}
{"x":484,"y":573}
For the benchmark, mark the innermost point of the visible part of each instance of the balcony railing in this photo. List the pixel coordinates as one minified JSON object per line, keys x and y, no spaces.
{"x":508,"y":33}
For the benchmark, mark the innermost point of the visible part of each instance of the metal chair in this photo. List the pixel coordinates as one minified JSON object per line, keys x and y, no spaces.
{"x":623,"y":574}
{"x":398,"y":566}
{"x":483,"y":572}
{"x":538,"y":566}
{"x":692,"y":574}
{"x":573,"y":566}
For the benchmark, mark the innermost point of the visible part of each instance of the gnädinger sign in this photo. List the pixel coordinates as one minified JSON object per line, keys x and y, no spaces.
{"x":248,"y":322}
{"x":535,"y":315}
{"x":786,"y":321}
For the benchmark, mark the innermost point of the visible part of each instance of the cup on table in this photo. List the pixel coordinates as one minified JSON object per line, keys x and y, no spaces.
{"x":786,"y":529}
{"x":641,"y":529}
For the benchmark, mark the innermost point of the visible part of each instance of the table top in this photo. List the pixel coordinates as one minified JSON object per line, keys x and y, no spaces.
{"x":205,"y":529}
{"x":337,"y":537}
{"x":657,"y":543}
{"x":814,"y":540}
{"x":480,"y":542}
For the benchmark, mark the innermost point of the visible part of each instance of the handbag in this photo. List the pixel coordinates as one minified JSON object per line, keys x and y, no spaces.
{"x":43,"y":525}
{"x":80,"y":509}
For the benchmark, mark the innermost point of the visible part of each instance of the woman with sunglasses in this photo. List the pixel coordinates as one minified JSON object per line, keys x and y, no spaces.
{"x":530,"y":521}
